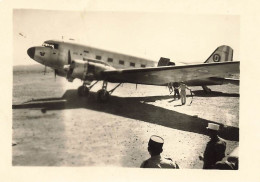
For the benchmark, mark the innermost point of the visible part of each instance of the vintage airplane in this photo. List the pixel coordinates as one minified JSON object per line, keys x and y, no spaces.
{"x":73,"y":60}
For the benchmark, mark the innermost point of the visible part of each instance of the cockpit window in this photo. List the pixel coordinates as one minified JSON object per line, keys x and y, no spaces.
{"x":56,"y":46}
{"x":51,"y":45}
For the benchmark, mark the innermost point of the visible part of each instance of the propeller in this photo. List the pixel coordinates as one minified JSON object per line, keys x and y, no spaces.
{"x":70,"y":68}
{"x":69,"y":57}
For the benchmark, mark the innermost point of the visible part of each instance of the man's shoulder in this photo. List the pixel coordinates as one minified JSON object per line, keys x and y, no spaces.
{"x":144,"y":164}
{"x":221,"y":141}
{"x":170,"y":163}
{"x":161,"y":162}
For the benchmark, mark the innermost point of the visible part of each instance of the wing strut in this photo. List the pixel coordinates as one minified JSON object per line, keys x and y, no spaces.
{"x":111,"y":91}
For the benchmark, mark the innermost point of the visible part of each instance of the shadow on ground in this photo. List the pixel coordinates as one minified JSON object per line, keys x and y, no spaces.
{"x":201,"y":93}
{"x":134,"y":108}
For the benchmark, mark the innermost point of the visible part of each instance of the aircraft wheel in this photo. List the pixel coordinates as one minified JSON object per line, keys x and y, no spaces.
{"x":83,"y":91}
{"x":102,"y":95}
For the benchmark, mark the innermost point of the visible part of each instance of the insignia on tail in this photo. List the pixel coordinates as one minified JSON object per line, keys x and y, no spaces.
{"x":221,"y":54}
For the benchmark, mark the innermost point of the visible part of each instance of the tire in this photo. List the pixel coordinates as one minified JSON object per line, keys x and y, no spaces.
{"x":83,"y":91}
{"x":103,"y":96}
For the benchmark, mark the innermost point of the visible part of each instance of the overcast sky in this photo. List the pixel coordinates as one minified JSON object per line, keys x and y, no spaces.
{"x":183,"y":38}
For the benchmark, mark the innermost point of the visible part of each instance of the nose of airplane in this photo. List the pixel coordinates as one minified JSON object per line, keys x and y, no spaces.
{"x":31,"y":52}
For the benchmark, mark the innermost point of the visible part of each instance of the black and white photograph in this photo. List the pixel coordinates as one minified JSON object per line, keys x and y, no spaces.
{"x":119,"y":90}
{"x":100,"y":89}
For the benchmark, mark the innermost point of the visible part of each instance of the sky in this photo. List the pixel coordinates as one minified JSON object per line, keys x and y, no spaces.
{"x":180,"y":37}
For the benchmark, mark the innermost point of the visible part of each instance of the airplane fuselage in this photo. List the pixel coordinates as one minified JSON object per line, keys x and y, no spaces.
{"x":58,"y":55}
{"x":54,"y":54}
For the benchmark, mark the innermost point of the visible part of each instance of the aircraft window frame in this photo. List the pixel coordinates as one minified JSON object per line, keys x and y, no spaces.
{"x":98,"y":57}
{"x":121,"y":62}
{"x":56,"y":46}
{"x":110,"y":60}
{"x":45,"y":44}
{"x":50,"y":45}
{"x":132,"y":64}
{"x":85,"y":51}
{"x":143,"y":65}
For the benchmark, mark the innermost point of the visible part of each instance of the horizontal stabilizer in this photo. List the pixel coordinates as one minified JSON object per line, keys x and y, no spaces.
{"x":163,"y":62}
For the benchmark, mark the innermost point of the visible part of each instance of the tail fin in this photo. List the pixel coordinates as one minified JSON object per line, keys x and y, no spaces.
{"x":221,"y":54}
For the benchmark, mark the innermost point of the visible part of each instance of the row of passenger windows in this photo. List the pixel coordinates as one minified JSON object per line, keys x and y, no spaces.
{"x":121,"y":62}
{"x":110,"y":60}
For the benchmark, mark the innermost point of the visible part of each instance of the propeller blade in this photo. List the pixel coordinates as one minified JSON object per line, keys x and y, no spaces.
{"x":69,"y":57}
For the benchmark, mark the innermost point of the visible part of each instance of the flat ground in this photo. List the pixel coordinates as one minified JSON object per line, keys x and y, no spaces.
{"x":82,"y":132}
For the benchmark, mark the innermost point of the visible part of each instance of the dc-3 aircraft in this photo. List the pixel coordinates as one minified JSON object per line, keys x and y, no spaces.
{"x":89,"y":64}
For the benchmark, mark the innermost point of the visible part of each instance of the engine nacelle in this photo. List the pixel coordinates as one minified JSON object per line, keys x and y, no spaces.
{"x":78,"y":69}
{"x":95,"y":68}
{"x":86,"y":69}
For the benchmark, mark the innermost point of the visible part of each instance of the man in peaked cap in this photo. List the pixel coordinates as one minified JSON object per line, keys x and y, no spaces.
{"x":215,"y":149}
{"x":155,"y":148}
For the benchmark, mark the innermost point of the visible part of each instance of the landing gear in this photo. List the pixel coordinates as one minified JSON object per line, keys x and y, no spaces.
{"x":206,"y":89}
{"x":83,"y":91}
{"x":103,"y":94}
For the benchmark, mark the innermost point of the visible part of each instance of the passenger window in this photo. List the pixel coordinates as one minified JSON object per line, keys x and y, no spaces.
{"x":143,"y":66}
{"x":98,"y":57}
{"x":132,"y":64}
{"x":85,"y":51}
{"x":109,"y":60}
{"x":121,"y":62}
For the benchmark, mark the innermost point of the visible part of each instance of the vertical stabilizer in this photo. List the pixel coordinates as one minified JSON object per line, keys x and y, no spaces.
{"x":221,"y":54}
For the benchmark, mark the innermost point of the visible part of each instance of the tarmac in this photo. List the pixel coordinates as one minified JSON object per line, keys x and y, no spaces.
{"x":53,"y":126}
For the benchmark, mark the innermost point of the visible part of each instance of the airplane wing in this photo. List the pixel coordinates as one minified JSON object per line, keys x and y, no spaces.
{"x":165,"y":74}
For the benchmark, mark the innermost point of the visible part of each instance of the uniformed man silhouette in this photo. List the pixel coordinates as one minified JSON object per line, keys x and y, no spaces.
{"x":183,"y":88}
{"x":155,"y":148}
{"x":215,"y":149}
{"x":176,"y":90}
{"x":230,"y":162}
